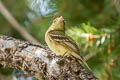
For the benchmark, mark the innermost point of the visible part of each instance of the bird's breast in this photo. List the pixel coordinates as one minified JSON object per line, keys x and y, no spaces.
{"x":56,"y":47}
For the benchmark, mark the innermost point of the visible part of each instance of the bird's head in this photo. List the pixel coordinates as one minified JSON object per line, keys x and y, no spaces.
{"x":58,"y":24}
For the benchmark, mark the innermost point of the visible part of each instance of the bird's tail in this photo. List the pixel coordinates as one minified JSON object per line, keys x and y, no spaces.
{"x":81,"y":59}
{"x":84,"y":62}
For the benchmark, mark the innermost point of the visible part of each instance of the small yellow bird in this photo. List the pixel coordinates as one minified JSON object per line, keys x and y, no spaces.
{"x":60,"y":43}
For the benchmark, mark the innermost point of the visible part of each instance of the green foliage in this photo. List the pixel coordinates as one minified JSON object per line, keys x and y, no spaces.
{"x":102,"y":47}
{"x":93,"y":24}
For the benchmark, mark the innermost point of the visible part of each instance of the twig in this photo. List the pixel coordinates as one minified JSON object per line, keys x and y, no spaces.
{"x":40,"y":62}
{"x":16,"y":25}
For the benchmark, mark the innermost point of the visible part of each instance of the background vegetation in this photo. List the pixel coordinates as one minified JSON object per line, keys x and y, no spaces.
{"x":93,"y":24}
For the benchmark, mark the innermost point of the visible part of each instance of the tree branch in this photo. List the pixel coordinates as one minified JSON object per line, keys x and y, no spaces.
{"x":40,"y":62}
{"x":16,"y":25}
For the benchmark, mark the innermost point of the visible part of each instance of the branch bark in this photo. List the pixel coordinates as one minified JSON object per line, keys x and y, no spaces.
{"x":40,"y":61}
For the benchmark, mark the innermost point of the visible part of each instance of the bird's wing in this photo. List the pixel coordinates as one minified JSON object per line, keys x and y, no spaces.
{"x":66,"y":41}
{"x":59,"y":36}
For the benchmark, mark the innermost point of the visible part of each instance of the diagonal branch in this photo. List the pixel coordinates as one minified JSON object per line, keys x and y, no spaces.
{"x":16,"y":25}
{"x":40,"y":61}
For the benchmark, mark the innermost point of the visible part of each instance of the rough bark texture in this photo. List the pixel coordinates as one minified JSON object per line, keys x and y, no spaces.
{"x":40,"y":61}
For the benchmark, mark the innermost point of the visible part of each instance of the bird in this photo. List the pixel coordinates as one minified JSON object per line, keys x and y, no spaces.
{"x":60,"y":43}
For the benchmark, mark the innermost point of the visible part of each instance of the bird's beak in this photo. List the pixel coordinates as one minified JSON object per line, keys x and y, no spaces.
{"x":61,"y":19}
